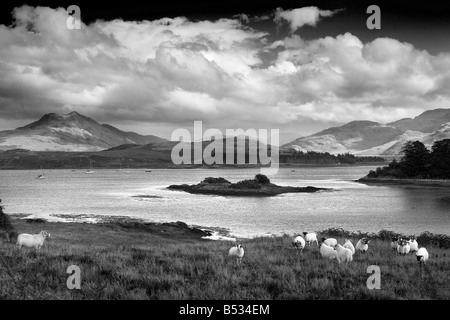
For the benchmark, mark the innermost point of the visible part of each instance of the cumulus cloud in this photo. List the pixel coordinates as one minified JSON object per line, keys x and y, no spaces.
{"x":297,"y":18}
{"x":170,"y":72}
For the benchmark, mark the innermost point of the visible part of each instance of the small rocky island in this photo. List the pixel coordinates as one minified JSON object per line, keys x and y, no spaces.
{"x":260,"y":186}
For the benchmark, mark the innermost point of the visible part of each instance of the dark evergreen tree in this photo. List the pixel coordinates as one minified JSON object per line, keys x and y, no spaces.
{"x":440,"y":159}
{"x":415,"y":162}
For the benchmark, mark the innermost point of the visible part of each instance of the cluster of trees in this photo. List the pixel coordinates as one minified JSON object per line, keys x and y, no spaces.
{"x":418,"y":162}
{"x":312,"y":157}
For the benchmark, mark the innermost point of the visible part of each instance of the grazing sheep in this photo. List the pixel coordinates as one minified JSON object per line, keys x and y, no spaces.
{"x":403,"y":247}
{"x":394,"y":243}
{"x":299,"y":243}
{"x":238,"y":252}
{"x":344,"y":254}
{"x":413,"y":244}
{"x":349,"y":245}
{"x":422,"y":255}
{"x":328,"y":252}
{"x":32,"y":240}
{"x":330,"y":242}
{"x":362,"y":245}
{"x":310,"y":238}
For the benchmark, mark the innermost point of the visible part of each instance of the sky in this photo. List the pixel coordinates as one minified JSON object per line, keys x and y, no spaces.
{"x":296,"y":66}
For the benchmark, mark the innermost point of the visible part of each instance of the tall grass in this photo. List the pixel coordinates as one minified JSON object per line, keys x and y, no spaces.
{"x":127,"y":263}
{"x":7,"y":231}
{"x":425,"y":238}
{"x":5,"y":222}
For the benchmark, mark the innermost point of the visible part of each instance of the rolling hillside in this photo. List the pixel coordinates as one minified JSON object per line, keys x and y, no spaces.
{"x":373,"y":138}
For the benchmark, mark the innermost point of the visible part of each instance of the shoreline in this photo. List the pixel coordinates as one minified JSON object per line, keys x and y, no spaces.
{"x":257,"y":189}
{"x":192,"y":167}
{"x":176,"y":229}
{"x":182,"y":230}
{"x":414,"y":182}
{"x":194,"y":231}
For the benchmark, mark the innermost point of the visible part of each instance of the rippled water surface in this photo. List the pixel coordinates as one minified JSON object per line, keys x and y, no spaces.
{"x":353,"y":206}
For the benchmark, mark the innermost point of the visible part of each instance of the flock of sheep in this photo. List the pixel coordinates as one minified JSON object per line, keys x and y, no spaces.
{"x":331,"y":249}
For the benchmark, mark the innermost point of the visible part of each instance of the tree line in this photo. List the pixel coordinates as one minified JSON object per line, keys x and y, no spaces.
{"x":312,"y":157}
{"x":418,"y":162}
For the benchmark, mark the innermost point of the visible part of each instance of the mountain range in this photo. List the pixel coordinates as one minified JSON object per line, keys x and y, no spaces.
{"x":70,"y":132}
{"x":368,"y":138}
{"x":74,"y":132}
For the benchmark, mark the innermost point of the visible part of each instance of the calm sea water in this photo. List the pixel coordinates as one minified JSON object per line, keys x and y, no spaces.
{"x":353,"y":206}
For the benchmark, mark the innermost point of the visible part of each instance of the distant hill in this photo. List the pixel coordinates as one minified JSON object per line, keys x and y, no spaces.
{"x":427,"y":122}
{"x":69,"y":132}
{"x":136,"y":138}
{"x":372,"y":138}
{"x":151,"y":155}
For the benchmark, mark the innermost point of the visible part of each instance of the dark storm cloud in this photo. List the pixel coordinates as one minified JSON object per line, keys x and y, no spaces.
{"x":224,"y":72}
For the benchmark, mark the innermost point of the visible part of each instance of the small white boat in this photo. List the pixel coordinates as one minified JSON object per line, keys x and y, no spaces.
{"x":90,"y":171}
{"x":41,"y":176}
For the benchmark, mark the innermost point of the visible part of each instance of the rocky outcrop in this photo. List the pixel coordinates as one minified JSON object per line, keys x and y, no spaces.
{"x":244,"y":188}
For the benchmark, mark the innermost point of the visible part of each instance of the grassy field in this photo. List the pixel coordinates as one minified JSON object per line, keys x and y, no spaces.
{"x":120,"y":262}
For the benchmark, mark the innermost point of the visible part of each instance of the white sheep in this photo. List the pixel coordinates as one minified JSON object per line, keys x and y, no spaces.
{"x":330,"y":242}
{"x":394,"y":243}
{"x":238,"y":252}
{"x":32,"y":240}
{"x":422,"y":255}
{"x":362,"y":245}
{"x":310,"y":238}
{"x":344,"y":254}
{"x":349,"y":245}
{"x":328,"y":252}
{"x":403,"y":247}
{"x":413,"y":244}
{"x":299,"y":243}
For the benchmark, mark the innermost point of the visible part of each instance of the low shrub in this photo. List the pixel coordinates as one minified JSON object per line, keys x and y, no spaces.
{"x":246,"y":184}
{"x":262,"y":178}
{"x":215,"y":180}
{"x":5,"y":222}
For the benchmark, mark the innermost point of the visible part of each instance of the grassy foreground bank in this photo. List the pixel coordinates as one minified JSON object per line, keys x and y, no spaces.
{"x":120,"y":261}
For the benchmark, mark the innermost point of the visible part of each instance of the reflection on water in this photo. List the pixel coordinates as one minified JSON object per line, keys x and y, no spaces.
{"x":140,"y":194}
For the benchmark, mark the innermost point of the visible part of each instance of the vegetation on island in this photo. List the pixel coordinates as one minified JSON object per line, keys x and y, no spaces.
{"x":215,"y":180}
{"x":418,"y":162}
{"x":255,"y":183}
{"x":312,"y":157}
{"x":260,"y":185}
